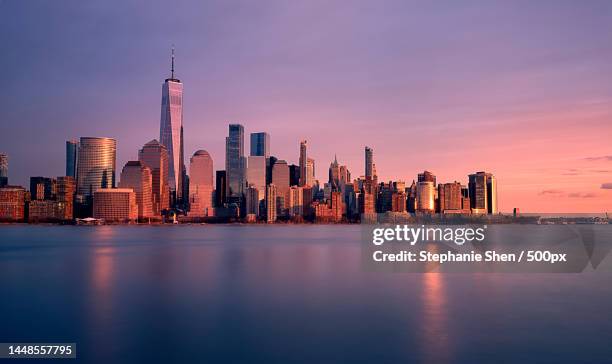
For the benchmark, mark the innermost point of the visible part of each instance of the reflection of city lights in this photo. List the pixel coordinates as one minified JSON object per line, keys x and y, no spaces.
{"x":435,"y":317}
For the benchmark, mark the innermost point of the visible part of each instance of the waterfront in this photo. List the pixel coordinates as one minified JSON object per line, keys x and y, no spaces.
{"x":291,"y":293}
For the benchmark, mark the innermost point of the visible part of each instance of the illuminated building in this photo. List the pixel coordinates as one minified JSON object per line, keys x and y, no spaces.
{"x":139,"y":178}
{"x":115,"y":205}
{"x":154,"y":155}
{"x":201,"y":189}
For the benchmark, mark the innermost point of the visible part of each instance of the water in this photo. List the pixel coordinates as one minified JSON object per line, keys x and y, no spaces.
{"x":281,"y":294}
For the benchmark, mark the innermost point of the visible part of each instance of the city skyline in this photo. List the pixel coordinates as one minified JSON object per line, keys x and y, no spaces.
{"x":547,"y":143}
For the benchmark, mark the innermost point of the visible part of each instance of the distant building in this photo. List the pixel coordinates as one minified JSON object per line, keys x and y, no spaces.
{"x":483,"y":193}
{"x":398,"y":202}
{"x":115,"y":205}
{"x":42,"y":188}
{"x":252,"y":201}
{"x":271,"y":203}
{"x":139,"y":178}
{"x":96,"y":165}
{"x":369,"y":162}
{"x":72,"y":147}
{"x":256,"y":174}
{"x":296,"y":201}
{"x":303,"y":163}
{"x":220,"y":188}
{"x":366,"y":203}
{"x":12,"y":203}
{"x":154,"y":155}
{"x":260,"y":144}
{"x":66,"y":189}
{"x":201,"y":189}
{"x":310,"y":172}
{"x":294,"y":175}
{"x":425,"y":197}
{"x":450,"y":197}
{"x":280,"y":179}
{"x":427,"y":176}
{"x":235,"y":162}
{"x":3,"y":169}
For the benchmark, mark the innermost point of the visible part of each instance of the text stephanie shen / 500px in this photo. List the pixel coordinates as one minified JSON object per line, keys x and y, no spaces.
{"x":472,"y":256}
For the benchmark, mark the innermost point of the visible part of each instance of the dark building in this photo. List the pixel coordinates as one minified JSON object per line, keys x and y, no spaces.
{"x":42,"y":188}
{"x":294,"y":175}
{"x":220,"y":189}
{"x":426,"y":176}
{"x":72,"y":147}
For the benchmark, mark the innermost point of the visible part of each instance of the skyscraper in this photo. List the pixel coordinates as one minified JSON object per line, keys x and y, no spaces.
{"x":449,"y":197}
{"x":3,"y":170}
{"x":303,"y":164}
{"x":483,"y":193}
{"x":260,"y":144}
{"x":96,"y":165}
{"x":72,"y":147}
{"x":139,"y":178}
{"x":256,"y":174}
{"x":155,"y":156}
{"x":201,"y":190}
{"x":171,"y":132}
{"x":296,"y":201}
{"x":369,"y":163}
{"x":220,"y":188}
{"x":280,"y":178}
{"x":310,"y":172}
{"x":235,"y":161}
{"x":270,"y":203}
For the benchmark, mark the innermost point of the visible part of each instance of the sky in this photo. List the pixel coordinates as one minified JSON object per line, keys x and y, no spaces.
{"x":521,"y":89}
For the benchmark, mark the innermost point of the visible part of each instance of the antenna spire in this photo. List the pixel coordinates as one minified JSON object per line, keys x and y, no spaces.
{"x":172,"y":70}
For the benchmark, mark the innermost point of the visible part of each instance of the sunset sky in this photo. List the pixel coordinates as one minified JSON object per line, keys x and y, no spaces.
{"x":522,"y":89}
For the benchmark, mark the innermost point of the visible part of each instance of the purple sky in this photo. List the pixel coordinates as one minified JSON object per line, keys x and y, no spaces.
{"x":522,"y":89}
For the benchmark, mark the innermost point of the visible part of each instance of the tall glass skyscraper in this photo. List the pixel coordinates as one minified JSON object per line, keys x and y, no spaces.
{"x":303,"y":164}
{"x":96,"y":165}
{"x":72,"y":147}
{"x":369,"y":162}
{"x":171,"y":131}
{"x":235,"y":162}
{"x":260,"y":144}
{"x":201,"y":184}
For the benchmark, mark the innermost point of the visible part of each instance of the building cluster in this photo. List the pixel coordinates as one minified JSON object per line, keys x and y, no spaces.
{"x":259,"y":187}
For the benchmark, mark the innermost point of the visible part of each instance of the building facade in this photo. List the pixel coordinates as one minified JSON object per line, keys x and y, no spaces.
{"x":72,"y":147}
{"x":96,"y":165}
{"x":138,"y":177}
{"x":12,"y":203}
{"x":115,"y":205}
{"x":154,"y":155}
{"x":235,"y":162}
{"x":260,"y":144}
{"x":201,"y":188}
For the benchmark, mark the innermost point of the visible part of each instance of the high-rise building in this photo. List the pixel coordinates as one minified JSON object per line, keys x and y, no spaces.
{"x":96,"y":165}
{"x":449,"y":197}
{"x":280,"y":179}
{"x":171,"y":133}
{"x":138,"y":177}
{"x":310,"y":172}
{"x":154,"y":155}
{"x":294,"y":175}
{"x":367,"y":204}
{"x":3,"y":169}
{"x":201,"y":190}
{"x":491,"y":194}
{"x":235,"y":161}
{"x":337,"y":205}
{"x":115,"y":204}
{"x":296,"y":201}
{"x":220,"y":188}
{"x":271,"y":203}
{"x":72,"y":147}
{"x":260,"y":144}
{"x":369,"y":163}
{"x":12,"y":203}
{"x":398,"y":202}
{"x":334,"y":175}
{"x":256,"y":174}
{"x":303,"y":164}
{"x":425,"y":197}
{"x":252,"y":201}
{"x":66,"y":188}
{"x":483,"y":193}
